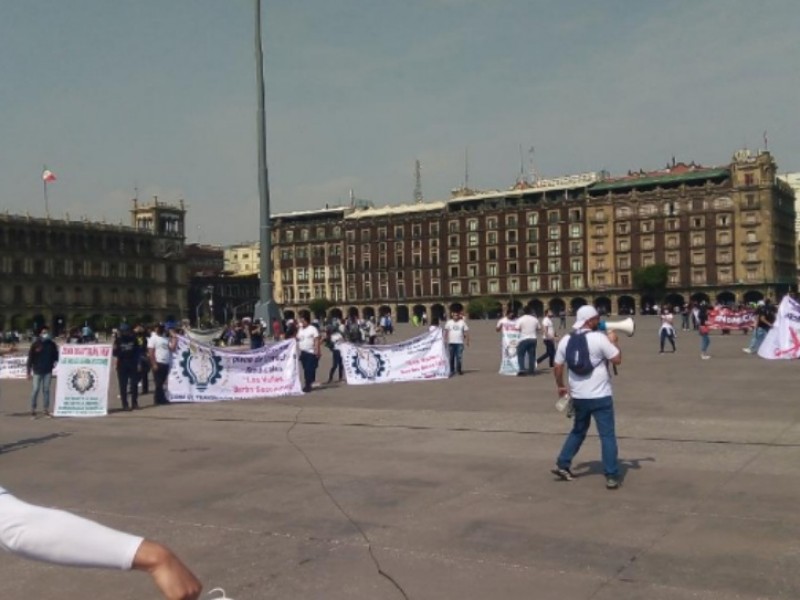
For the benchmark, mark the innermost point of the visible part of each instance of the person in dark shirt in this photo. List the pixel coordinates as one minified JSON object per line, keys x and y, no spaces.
{"x":128,"y":352}
{"x":42,"y":357}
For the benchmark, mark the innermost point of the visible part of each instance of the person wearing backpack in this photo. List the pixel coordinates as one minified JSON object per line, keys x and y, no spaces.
{"x":586,"y":353}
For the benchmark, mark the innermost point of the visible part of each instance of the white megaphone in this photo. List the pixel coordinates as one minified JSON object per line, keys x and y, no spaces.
{"x":626,"y":326}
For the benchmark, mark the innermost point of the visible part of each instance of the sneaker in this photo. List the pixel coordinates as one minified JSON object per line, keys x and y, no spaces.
{"x":747,"y":350}
{"x":564,"y":474}
{"x":612,"y":483}
{"x":706,"y":356}
{"x":47,"y":414}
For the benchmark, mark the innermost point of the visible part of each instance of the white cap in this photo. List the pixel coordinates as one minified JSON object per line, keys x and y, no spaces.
{"x":585,"y":312}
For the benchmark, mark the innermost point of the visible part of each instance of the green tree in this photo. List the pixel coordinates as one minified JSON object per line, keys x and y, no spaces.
{"x":651,"y":280}
{"x":483,"y":307}
{"x":319,"y":307}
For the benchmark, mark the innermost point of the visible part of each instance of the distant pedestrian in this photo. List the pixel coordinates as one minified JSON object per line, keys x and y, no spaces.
{"x":549,"y":337}
{"x":529,"y":327}
{"x":42,"y":358}
{"x":128,"y":354}
{"x":456,"y":337}
{"x":666,"y":332}
{"x":160,"y":346}
{"x":309,"y":345}
{"x":563,"y":320}
{"x":334,"y":341}
{"x":704,"y":330}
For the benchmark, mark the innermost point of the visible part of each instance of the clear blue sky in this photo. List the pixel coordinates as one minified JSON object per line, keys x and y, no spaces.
{"x":160,"y":94}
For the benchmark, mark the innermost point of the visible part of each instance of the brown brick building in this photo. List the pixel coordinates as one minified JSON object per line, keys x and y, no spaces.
{"x":726,"y":234}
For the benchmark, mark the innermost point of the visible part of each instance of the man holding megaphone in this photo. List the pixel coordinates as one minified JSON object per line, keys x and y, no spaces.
{"x":586,"y":353}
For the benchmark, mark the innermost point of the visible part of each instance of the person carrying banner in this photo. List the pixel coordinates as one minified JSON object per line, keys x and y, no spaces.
{"x":456,"y":333}
{"x":309,"y":345}
{"x":128,"y":353}
{"x":61,"y":538}
{"x":160,"y":346}
{"x":526,"y":346}
{"x":42,"y":357}
{"x":591,"y":393}
{"x":763,"y":320}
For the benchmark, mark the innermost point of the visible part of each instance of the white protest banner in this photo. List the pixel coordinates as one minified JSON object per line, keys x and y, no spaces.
{"x":508,"y":349}
{"x":421,"y":358}
{"x":202,"y":373}
{"x":83,"y":372}
{"x":783,"y":340}
{"x":13,"y":367}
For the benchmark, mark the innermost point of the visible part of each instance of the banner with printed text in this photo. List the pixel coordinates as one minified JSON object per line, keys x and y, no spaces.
{"x":783,"y":339}
{"x":203,"y":373}
{"x":421,"y":358}
{"x":727,"y":318}
{"x":13,"y":367}
{"x":508,"y":349}
{"x":83,"y":373}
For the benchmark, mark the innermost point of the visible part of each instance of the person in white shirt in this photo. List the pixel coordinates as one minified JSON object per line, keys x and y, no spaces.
{"x":549,"y":337}
{"x":526,"y":346}
{"x":456,"y":333}
{"x":160,"y":346}
{"x":61,"y":538}
{"x":591,"y":396}
{"x":667,"y":330}
{"x":335,"y":339}
{"x":309,"y":344}
{"x":508,"y":322}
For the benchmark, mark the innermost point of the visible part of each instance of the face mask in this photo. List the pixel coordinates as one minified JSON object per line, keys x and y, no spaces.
{"x":45,"y":336}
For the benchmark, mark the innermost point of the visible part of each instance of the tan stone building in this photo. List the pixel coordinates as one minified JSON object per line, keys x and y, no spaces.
{"x":725,"y":233}
{"x":64,"y":273}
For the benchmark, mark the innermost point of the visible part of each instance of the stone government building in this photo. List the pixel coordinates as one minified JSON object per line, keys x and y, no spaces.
{"x":64,"y":273}
{"x":726,"y":234}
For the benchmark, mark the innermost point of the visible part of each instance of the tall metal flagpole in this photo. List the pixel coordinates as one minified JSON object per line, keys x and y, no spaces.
{"x":266,"y":308}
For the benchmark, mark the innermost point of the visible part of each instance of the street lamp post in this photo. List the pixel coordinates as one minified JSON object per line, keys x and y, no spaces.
{"x":266,"y":309}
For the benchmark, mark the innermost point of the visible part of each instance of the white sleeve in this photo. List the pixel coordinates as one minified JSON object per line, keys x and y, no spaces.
{"x":59,"y":537}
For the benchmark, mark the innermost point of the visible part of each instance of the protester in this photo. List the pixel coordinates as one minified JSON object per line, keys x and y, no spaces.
{"x":666,"y":331}
{"x":704,"y":330}
{"x":507,"y":322}
{"x":160,"y":346}
{"x":59,"y":537}
{"x":128,"y":354}
{"x":591,"y":394}
{"x":763,"y":320}
{"x":256,"y":335}
{"x":333,"y":342}
{"x":144,"y":359}
{"x":549,"y":337}
{"x":526,"y":346}
{"x":308,"y":343}
{"x":42,"y":358}
{"x":456,"y":337}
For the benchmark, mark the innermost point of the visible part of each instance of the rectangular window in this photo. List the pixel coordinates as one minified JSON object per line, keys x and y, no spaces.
{"x":455,"y":288}
{"x":554,"y":249}
{"x":576,"y":264}
{"x":577,"y":282}
{"x":472,"y":255}
{"x":491,"y":238}
{"x":491,"y":269}
{"x":533,"y":284}
{"x":553,"y":232}
{"x":511,"y":236}
{"x":453,"y":256}
{"x":472,"y":225}
{"x":532,"y":218}
{"x":472,"y":239}
{"x":575,"y":230}
{"x":491,"y":223}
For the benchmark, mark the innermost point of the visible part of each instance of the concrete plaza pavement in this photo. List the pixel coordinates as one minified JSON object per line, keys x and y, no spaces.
{"x":439,"y":490}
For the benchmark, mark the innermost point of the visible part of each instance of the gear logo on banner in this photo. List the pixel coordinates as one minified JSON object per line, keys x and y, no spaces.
{"x":82,"y":380}
{"x":201,"y":367}
{"x":369,"y":364}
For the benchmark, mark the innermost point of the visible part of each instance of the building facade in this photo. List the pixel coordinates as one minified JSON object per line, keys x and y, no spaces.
{"x":726,"y":235}
{"x":242,"y":259}
{"x":65,"y":273}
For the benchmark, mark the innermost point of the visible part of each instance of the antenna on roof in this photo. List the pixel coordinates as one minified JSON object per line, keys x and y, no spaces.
{"x":417,"y":182}
{"x":532,"y":154}
{"x":521,"y":178}
{"x":466,"y":168}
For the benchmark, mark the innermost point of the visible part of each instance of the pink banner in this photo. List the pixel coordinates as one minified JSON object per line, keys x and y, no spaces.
{"x":727,"y":318}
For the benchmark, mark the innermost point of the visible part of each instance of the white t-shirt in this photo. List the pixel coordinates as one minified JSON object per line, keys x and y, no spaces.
{"x":549,"y":330}
{"x":528,"y":327}
{"x":456,"y":330}
{"x":161,"y":346}
{"x":336,"y":339}
{"x":596,"y":384}
{"x":306,"y":338}
{"x":506,"y":324}
{"x":666,"y":322}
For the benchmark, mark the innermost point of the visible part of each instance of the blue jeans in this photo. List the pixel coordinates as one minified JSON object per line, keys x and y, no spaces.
{"x":603,"y":411}
{"x":41,"y":382}
{"x":758,"y":336}
{"x":705,"y":342}
{"x":456,"y":354}
{"x":526,"y":347}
